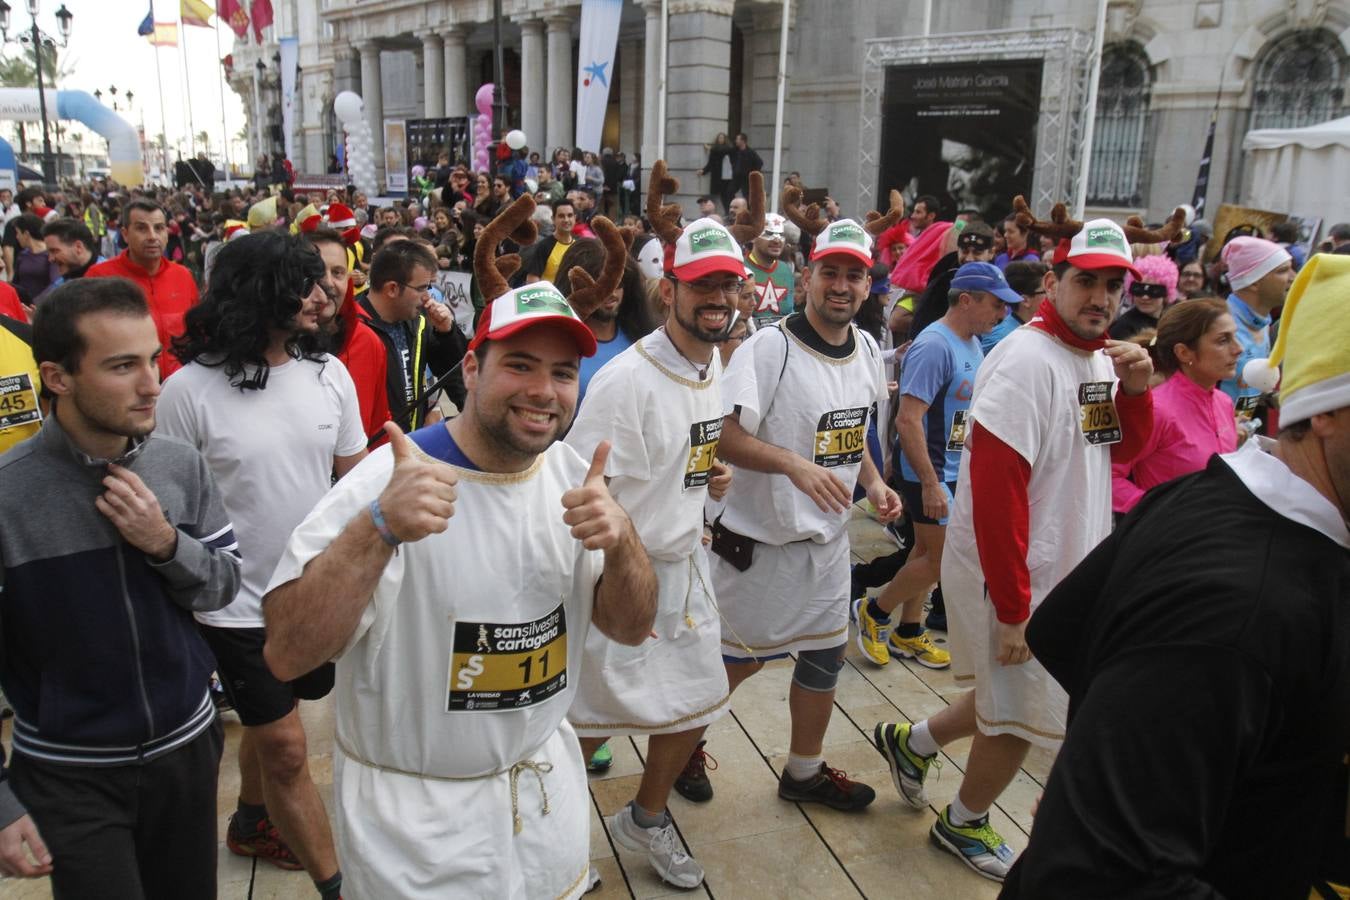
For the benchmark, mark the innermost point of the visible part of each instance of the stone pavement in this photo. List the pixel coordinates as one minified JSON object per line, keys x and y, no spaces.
{"x":749,"y":842}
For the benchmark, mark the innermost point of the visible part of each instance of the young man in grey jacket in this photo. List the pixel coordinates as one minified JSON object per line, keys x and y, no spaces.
{"x":113,"y":537}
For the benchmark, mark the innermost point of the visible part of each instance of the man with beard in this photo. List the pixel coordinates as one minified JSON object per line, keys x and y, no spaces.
{"x":509,"y":548}
{"x":774,"y":279}
{"x":798,"y":396}
{"x":659,"y":406}
{"x":112,"y":787}
{"x":71,"y":247}
{"x":1054,"y":405}
{"x":358,"y":348}
{"x":275,"y":417}
{"x":169,"y":288}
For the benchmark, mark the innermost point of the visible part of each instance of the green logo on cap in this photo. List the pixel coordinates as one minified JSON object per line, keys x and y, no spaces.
{"x":1105,"y":236}
{"x":849,"y":232}
{"x":543,"y":299}
{"x":708,"y":240}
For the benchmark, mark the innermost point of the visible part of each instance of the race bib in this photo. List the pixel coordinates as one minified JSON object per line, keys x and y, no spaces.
{"x":18,"y":401}
{"x":956,"y":438}
{"x":703,"y":438}
{"x":841,"y":438}
{"x":1097,"y":413}
{"x":497,"y":666}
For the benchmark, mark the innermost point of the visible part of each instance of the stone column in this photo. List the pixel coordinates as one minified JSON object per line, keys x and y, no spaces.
{"x":533,"y":88}
{"x":651,"y":83}
{"x":562,"y":84}
{"x":630,"y":94}
{"x":371,"y":93}
{"x":699,"y":64}
{"x":433,"y":77}
{"x":456,"y":73}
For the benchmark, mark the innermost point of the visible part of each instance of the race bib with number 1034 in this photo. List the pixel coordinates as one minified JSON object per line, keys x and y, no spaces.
{"x":507,"y":665}
{"x":841,"y":438}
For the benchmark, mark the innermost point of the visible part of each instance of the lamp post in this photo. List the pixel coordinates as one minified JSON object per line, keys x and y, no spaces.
{"x":38,"y":39}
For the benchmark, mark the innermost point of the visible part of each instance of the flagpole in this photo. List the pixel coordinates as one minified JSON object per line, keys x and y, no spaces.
{"x":778,"y":116}
{"x":163,"y":120}
{"x":220,"y":83}
{"x":187,"y":83}
{"x":661,"y":84}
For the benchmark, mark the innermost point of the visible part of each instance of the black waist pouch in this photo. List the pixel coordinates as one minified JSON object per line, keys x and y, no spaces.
{"x":736,"y":549}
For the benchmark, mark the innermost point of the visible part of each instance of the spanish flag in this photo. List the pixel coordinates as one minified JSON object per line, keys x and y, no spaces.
{"x":195,"y":12}
{"x":164,"y":35}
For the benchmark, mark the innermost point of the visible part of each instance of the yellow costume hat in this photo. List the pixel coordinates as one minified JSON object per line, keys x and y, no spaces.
{"x":1314,"y":340}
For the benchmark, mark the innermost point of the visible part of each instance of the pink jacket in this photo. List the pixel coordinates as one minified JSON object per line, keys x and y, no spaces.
{"x":1189,"y":425}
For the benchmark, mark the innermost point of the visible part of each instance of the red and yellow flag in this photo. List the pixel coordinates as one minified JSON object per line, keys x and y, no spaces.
{"x":195,"y":12}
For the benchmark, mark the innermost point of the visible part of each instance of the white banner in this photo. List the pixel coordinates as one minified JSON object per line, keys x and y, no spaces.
{"x":455,"y":287}
{"x":396,"y":156}
{"x":290,"y":62}
{"x":595,"y":68}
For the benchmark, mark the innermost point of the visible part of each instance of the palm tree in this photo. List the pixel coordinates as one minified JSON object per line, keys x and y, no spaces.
{"x":204,"y":138}
{"x":18,"y":71}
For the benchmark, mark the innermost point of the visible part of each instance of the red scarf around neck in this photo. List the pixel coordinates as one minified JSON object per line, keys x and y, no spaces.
{"x":1047,"y":319}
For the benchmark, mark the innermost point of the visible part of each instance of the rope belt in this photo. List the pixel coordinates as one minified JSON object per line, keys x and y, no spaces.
{"x":540,"y":769}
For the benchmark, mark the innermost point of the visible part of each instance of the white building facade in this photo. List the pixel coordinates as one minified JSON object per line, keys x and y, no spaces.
{"x":1168,"y":67}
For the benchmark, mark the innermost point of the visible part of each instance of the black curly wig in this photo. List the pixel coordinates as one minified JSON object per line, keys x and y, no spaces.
{"x":257,"y":283}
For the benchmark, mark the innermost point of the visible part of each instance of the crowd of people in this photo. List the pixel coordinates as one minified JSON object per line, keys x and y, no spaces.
{"x":255,"y":455}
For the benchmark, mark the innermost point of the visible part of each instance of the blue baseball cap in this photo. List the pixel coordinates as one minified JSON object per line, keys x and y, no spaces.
{"x":986,"y":277}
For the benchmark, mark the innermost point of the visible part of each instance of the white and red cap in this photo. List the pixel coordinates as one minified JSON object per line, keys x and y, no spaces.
{"x":773,"y":226}
{"x":1100,"y":244}
{"x":844,"y":236}
{"x":706,"y":247}
{"x":537,"y":303}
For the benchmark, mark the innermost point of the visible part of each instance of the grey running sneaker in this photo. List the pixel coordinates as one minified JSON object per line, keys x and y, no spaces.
{"x":662,"y":847}
{"x":908,"y":769}
{"x":976,"y":844}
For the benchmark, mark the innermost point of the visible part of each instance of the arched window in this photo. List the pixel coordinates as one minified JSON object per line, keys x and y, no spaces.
{"x":1300,"y":81}
{"x":1118,"y":169}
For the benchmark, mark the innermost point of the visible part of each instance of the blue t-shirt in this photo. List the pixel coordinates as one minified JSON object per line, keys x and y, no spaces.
{"x":939,"y":370}
{"x":1253,"y":334}
{"x":1009,"y":324}
{"x":435,"y":441}
{"x":604,"y":352}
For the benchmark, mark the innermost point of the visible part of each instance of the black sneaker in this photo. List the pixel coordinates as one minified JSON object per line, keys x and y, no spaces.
{"x":937,"y":612}
{"x":830,"y":787}
{"x":693,"y":783}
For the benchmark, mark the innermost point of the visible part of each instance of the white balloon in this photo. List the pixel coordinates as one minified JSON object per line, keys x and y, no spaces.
{"x":515,"y":139}
{"x":1260,"y":374}
{"x":348,"y":106}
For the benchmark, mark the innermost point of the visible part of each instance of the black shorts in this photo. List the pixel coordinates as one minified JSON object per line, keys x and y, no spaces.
{"x":911,"y":494}
{"x":254,"y":692}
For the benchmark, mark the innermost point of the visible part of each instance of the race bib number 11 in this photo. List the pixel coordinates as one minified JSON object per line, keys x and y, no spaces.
{"x":841,"y":437}
{"x":1097,"y":413}
{"x":507,"y":665}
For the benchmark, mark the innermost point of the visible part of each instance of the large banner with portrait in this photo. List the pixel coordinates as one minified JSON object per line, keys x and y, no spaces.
{"x":962,"y":132}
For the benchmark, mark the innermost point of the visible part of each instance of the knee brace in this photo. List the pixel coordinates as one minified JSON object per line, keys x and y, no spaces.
{"x":818,"y":670}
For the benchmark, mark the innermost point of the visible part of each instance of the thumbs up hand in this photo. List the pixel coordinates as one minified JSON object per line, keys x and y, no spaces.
{"x":420,"y":496}
{"x":596,"y":518}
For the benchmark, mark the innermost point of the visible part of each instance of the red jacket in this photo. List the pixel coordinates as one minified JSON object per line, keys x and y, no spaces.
{"x":10,"y":305}
{"x":171,"y":292}
{"x":364,"y":355}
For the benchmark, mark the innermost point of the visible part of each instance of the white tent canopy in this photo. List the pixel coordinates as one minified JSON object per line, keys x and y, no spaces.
{"x":1301,"y":171}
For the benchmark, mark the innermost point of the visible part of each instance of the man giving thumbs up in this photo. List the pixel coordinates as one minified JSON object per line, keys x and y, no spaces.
{"x":454,"y":576}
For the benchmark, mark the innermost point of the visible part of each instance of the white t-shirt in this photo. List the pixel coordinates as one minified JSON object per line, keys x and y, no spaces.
{"x":1049,"y":402}
{"x":465,"y":660}
{"x":663,"y":425}
{"x":271,"y":453}
{"x":815,"y":406}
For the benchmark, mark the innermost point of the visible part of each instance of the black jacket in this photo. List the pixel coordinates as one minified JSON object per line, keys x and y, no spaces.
{"x":427,"y":348}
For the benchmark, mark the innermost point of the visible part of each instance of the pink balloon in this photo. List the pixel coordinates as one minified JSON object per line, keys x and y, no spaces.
{"x":482,"y":100}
